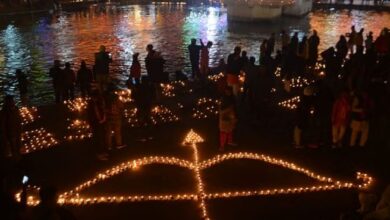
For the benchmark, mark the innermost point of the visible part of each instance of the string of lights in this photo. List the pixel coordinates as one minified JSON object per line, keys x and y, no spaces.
{"x":73,"y":196}
{"x":192,"y":139}
{"x":130,"y":165}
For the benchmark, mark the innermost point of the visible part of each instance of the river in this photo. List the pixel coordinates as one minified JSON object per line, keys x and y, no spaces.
{"x":32,"y":42}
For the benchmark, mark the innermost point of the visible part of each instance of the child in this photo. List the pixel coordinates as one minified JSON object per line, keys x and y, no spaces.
{"x":135,"y":70}
{"x":227,"y":119}
{"x":340,"y":117}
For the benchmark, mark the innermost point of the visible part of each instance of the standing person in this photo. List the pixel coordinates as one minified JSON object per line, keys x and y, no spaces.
{"x":97,"y":119}
{"x":244,"y":59}
{"x":194,"y":51}
{"x":84,"y":79}
{"x":114,"y":112}
{"x":340,"y":118}
{"x":143,"y":98}
{"x":263,"y":51}
{"x":352,"y":39}
{"x":314,"y":42}
{"x":135,"y":70}
{"x":369,"y":41}
{"x":150,"y":61}
{"x":303,"y":54}
{"x":285,"y":41}
{"x":359,"y":40}
{"x":303,"y":117}
{"x":382,"y":44}
{"x":270,"y":45}
{"x":204,"y":59}
{"x":233,"y":70}
{"x":57,"y":74}
{"x":221,"y":68}
{"x":261,"y":88}
{"x":227,"y":119}
{"x":342,"y":47}
{"x":144,"y":95}
{"x":10,"y":128}
{"x":294,"y":43}
{"x":360,"y":119}
{"x":102,"y":68}
{"x":22,"y":85}
{"x":69,"y":81}
{"x":154,"y":64}
{"x":251,"y":71}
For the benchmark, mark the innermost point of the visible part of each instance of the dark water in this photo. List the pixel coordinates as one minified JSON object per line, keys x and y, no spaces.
{"x":32,"y":42}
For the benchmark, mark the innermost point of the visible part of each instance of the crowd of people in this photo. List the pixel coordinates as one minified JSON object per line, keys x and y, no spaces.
{"x":338,"y":98}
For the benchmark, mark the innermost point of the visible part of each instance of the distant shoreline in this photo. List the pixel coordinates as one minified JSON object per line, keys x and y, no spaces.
{"x":70,"y":6}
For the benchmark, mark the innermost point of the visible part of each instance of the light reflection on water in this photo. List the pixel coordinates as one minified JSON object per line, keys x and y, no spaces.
{"x":33,"y":42}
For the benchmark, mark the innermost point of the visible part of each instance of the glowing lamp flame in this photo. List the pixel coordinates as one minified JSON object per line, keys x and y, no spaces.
{"x":192,"y":138}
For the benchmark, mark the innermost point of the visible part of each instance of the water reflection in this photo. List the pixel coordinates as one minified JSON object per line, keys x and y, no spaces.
{"x":33,"y":42}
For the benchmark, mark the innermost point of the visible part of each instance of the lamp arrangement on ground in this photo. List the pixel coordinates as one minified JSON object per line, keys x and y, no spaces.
{"x":78,"y":130}
{"x":37,"y":139}
{"x":28,"y":114}
{"x":290,"y":104}
{"x":205,"y":108}
{"x":201,"y":197}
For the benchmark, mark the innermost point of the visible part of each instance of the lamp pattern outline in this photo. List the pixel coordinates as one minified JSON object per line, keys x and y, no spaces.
{"x":73,"y":197}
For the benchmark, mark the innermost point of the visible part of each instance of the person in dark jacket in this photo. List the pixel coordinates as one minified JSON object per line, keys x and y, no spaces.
{"x":22,"y":85}
{"x":305,"y":112}
{"x":233,"y":69}
{"x":135,"y":70}
{"x":271,"y":45}
{"x":102,"y":68}
{"x":114,"y":113}
{"x":154,"y":64}
{"x":84,"y":79}
{"x":10,"y":128}
{"x":97,"y":119}
{"x":194,"y":51}
{"x":57,"y":74}
{"x":342,"y":47}
{"x":251,"y":72}
{"x":314,"y":42}
{"x":143,"y":97}
{"x":69,"y":81}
